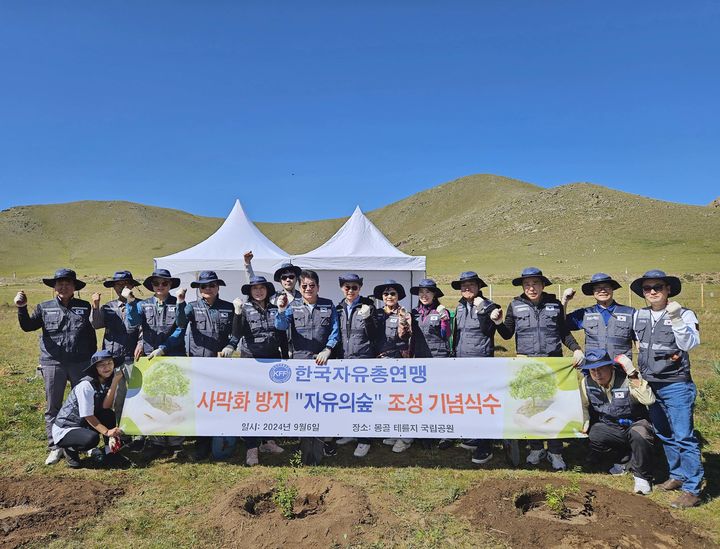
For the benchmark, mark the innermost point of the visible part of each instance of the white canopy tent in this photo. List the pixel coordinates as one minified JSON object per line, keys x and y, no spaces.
{"x":359,"y":247}
{"x":223,"y":251}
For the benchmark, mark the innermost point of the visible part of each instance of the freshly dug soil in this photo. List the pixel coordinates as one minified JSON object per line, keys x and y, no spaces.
{"x":324,"y":513}
{"x":35,"y":508}
{"x":515,"y":512}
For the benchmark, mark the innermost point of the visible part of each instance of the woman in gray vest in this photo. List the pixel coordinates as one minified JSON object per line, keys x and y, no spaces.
{"x":87,"y":413}
{"x":607,"y":324}
{"x":666,"y":332}
{"x":66,"y":345}
{"x":537,"y":320}
{"x":615,"y":414}
{"x":254,"y":326}
{"x":474,"y":336}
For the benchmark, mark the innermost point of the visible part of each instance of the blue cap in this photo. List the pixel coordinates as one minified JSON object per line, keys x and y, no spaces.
{"x":97,"y":357}
{"x":598,"y":278}
{"x":531,"y":272}
{"x":161,"y":273}
{"x":428,"y":284}
{"x":206,"y":277}
{"x":64,"y":273}
{"x":672,"y":281}
{"x":350,"y":277}
{"x":390,"y":283}
{"x":594,"y":358}
{"x":121,"y":276}
{"x":467,"y":276}
{"x":255,"y":280}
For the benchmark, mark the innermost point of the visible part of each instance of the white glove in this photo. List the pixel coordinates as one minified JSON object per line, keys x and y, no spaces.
{"x":238,"y":303}
{"x":323,"y":356}
{"x":128,"y":294}
{"x":364,"y":310}
{"x":282,"y":302}
{"x":567,"y":295}
{"x":578,"y":358}
{"x":496,"y":316}
{"x":181,"y":295}
{"x":157,"y":352}
{"x":674,"y":312}
{"x":478,"y":302}
{"x":227,"y":352}
{"x":20,"y":299}
{"x":441,"y":309}
{"x":626,"y":364}
{"x":96,"y":300}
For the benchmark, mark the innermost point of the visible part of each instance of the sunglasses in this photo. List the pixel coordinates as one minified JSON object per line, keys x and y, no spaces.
{"x":307,"y":286}
{"x":655,"y":287}
{"x":351,"y":288}
{"x":389,"y":293}
{"x":599,"y":289}
{"x":160,"y":283}
{"x":211,"y":285}
{"x":287,"y":277}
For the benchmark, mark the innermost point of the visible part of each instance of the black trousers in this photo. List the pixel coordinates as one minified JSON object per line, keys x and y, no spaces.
{"x":87,"y":438}
{"x":615,"y":441}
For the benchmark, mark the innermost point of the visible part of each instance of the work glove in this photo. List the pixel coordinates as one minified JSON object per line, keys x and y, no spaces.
{"x":364,"y":310}
{"x":157,"y":352}
{"x":238,"y":303}
{"x":323,"y":356}
{"x":674,"y":312}
{"x":227,"y":352}
{"x":248,"y":257}
{"x":128,"y":294}
{"x":626,"y":364}
{"x":567,"y":295}
{"x":96,"y":300}
{"x":20,"y":299}
{"x":478,"y":302}
{"x":578,"y":358}
{"x":282,"y":302}
{"x":497,"y":316}
{"x":181,"y":295}
{"x":441,"y":310}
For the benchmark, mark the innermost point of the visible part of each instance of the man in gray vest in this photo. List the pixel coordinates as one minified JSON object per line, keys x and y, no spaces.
{"x":538,"y":322}
{"x":615,"y":414}
{"x":666,"y":332}
{"x":607,"y":324}
{"x":287,"y":275}
{"x":66,"y":345}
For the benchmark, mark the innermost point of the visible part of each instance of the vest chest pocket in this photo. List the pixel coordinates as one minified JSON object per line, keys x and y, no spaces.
{"x":591,"y":323}
{"x":325,"y":317}
{"x":522,"y":319}
{"x":52,"y":319}
{"x":550,"y":316}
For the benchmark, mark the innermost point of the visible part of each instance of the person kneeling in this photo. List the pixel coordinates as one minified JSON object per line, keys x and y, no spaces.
{"x":615,"y":401}
{"x":87,"y":412}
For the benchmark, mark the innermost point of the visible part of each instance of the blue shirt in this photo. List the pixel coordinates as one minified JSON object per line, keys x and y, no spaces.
{"x":575,"y":319}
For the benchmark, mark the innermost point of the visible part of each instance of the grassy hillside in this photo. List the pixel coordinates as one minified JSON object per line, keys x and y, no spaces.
{"x":492,"y":224}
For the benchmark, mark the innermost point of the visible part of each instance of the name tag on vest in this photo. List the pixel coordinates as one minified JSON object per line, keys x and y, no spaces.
{"x":323,"y":309}
{"x":619,"y":394}
{"x":171,"y":308}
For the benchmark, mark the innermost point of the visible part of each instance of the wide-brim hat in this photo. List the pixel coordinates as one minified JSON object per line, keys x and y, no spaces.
{"x":350,"y":277}
{"x":531,"y":272}
{"x":284,"y":268}
{"x":121,"y":276}
{"x":468,"y":276}
{"x":589,"y":287}
{"x":64,"y":273}
{"x":254,"y":281}
{"x":378,"y":290}
{"x":161,"y":273}
{"x":428,"y":284}
{"x":97,"y":357}
{"x":207,"y":277}
{"x":595,"y":358}
{"x":672,"y":281}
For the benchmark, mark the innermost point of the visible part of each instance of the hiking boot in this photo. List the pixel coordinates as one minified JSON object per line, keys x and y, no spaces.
{"x":557,"y":461}
{"x":361,"y":450}
{"x":251,"y":457}
{"x":445,"y":443}
{"x":72,"y":458}
{"x":271,"y":447}
{"x":617,"y":469}
{"x":642,"y":487}
{"x":152,"y":451}
{"x":534,"y":457}
{"x":470,"y":444}
{"x":345,"y":440}
{"x":481,"y":456}
{"x":95,"y":453}
{"x":686,"y":500}
{"x":114,"y":461}
{"x":401,"y":445}
{"x":329,"y":449}
{"x":670,"y":484}
{"x":55,"y":455}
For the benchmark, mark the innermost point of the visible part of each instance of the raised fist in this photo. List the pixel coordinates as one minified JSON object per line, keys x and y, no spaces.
{"x":496,"y":316}
{"x":674,"y":309}
{"x":238,"y":303}
{"x":626,"y":364}
{"x":282,"y":301}
{"x":478,"y":302}
{"x":248,"y":256}
{"x":128,"y":294}
{"x":96,"y":300}
{"x":20,"y":299}
{"x":567,"y":295}
{"x":181,"y":295}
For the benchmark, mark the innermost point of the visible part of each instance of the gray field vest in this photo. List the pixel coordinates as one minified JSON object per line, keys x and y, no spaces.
{"x":310,"y":330}
{"x":262,"y":342}
{"x":67,"y":335}
{"x":622,"y":406}
{"x":158,"y":324}
{"x":69,"y":414}
{"x":537,"y":330}
{"x":209,"y":333}
{"x":357,"y":332}
{"x":616,"y":337}
{"x":296,"y":296}
{"x":660,"y":360}
{"x":426,"y":338}
{"x":388,"y":343}
{"x":119,"y":339}
{"x":474,"y":331}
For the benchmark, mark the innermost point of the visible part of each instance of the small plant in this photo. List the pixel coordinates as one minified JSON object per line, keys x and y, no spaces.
{"x":285,"y":491}
{"x":555,"y":498}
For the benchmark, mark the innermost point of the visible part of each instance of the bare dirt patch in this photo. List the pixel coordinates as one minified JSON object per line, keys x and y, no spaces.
{"x":517,"y":512}
{"x":324,"y":512}
{"x":35,"y":508}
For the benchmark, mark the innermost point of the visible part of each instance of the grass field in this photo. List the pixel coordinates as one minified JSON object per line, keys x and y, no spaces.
{"x":168,"y":504}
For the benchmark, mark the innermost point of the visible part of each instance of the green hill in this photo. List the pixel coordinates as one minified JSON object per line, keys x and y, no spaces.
{"x":488,"y":223}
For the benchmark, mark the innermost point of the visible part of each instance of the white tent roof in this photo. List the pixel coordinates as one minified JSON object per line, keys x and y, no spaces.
{"x":359,"y":246}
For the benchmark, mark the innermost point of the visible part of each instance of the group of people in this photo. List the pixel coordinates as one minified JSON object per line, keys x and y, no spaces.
{"x":627,"y":408}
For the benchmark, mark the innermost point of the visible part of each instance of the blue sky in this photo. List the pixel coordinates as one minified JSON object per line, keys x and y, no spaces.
{"x":191,"y":104}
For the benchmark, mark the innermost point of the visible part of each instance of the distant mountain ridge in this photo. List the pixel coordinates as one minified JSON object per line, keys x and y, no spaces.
{"x":492,"y":224}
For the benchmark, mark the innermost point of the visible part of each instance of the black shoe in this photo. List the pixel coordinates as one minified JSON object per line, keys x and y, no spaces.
{"x":152,"y":451}
{"x":329,"y":449}
{"x":202,"y":449}
{"x":470,"y":444}
{"x":72,"y":458}
{"x":481,"y":456}
{"x":445,"y":443}
{"x":137,"y":445}
{"x":114,"y":461}
{"x":426,"y":443}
